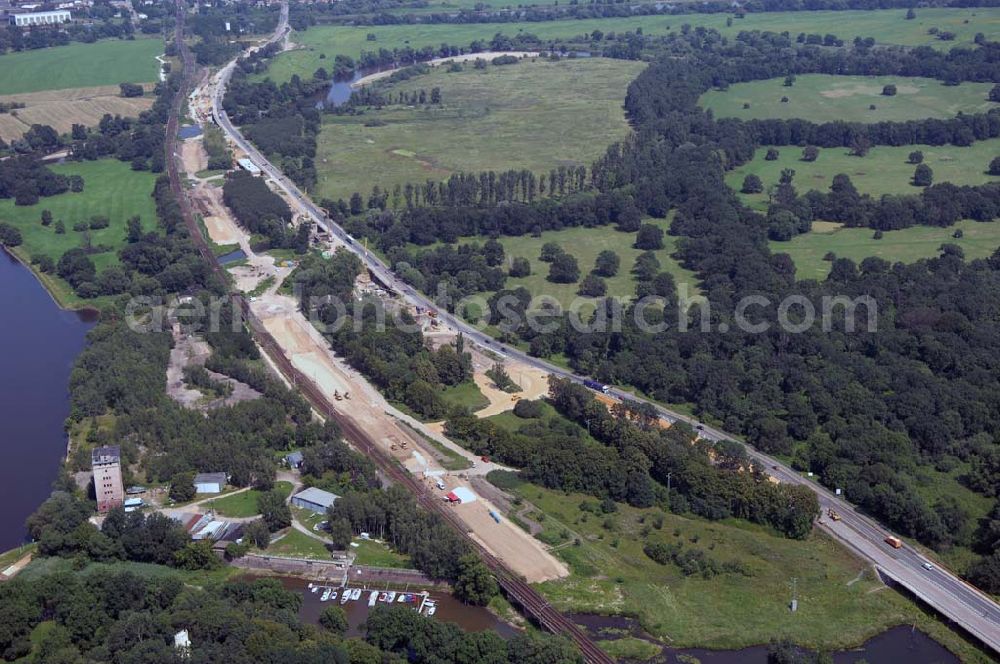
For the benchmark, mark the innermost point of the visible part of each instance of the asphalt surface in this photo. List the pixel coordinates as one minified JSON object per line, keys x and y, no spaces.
{"x":941,"y":589}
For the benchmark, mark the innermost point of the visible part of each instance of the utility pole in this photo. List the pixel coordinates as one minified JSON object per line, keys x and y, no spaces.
{"x":795,"y":602}
{"x":668,"y":487}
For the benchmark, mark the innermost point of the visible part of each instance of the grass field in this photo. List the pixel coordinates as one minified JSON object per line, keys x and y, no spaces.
{"x":886,"y":26}
{"x":841,"y":604}
{"x":244,"y":504}
{"x":825,"y":98}
{"x":299,"y":545}
{"x":108,"y":62}
{"x":466,"y":395}
{"x":112,"y":189}
{"x":584,"y":244}
{"x":377,"y":554}
{"x":535,"y":115}
{"x":978,"y":240}
{"x":884,"y":170}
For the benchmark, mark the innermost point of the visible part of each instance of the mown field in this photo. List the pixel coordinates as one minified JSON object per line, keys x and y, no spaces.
{"x":111,"y":189}
{"x":534,"y":115}
{"x":886,"y":26}
{"x":884,"y":170}
{"x":825,"y":98}
{"x":978,"y":240}
{"x":61,"y":109}
{"x":244,"y":504}
{"x":108,"y":62}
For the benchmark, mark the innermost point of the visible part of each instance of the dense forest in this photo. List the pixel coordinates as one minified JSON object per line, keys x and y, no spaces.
{"x":869,"y":413}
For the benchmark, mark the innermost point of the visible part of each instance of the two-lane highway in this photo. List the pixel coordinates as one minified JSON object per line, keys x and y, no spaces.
{"x":941,"y":589}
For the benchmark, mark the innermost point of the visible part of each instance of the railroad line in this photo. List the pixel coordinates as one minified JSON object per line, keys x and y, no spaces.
{"x":513,"y":586}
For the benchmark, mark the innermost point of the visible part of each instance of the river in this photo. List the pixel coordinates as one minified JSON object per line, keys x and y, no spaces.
{"x":38,"y":344}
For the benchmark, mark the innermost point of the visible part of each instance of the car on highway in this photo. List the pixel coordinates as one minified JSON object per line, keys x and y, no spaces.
{"x":927,"y":566}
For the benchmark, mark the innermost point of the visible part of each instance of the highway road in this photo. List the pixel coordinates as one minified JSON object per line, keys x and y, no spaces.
{"x":940,"y":588}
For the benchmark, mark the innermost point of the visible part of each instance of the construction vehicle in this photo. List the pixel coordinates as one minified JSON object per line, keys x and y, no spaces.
{"x":347,"y":395}
{"x":894,"y":542}
{"x":832,"y":513}
{"x":336,"y":395}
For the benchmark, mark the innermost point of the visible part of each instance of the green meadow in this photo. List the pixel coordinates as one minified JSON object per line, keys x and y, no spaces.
{"x":826,"y":98}
{"x":886,"y":26}
{"x":978,"y":240}
{"x":535,"y":115}
{"x":107,"y":62}
{"x":884,"y":170}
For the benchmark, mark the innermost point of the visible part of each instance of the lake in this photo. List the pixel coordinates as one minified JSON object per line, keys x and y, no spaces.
{"x":38,"y":344}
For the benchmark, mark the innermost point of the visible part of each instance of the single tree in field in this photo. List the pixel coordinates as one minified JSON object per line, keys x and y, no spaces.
{"x":549,"y":252}
{"x":810,"y":153}
{"x":772,"y":154}
{"x":593,"y":286}
{"x":789,"y":80}
{"x":182,"y":487}
{"x":646,"y":266}
{"x":333,"y":619}
{"x":274,"y":510}
{"x":564,"y":270}
{"x":923,"y":176}
{"x":915,"y":157}
{"x":607,"y":264}
{"x":752,"y":185}
{"x":889,"y":90}
{"x":649,"y":238}
{"x":994,"y":166}
{"x":256,"y":533}
{"x":520,"y":267}
{"x":860,"y":146}
{"x":46,"y":217}
{"x":910,"y":14}
{"x":995,"y":93}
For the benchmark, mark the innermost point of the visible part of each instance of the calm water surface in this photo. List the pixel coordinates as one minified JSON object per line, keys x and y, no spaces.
{"x":38,"y":343}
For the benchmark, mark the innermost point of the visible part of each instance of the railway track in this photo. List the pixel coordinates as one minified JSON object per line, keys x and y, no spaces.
{"x":516,"y":589}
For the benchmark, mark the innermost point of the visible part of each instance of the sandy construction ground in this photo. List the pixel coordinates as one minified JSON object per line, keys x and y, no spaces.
{"x":307,"y":349}
{"x":193,"y":155}
{"x":510,"y":543}
{"x":61,"y":109}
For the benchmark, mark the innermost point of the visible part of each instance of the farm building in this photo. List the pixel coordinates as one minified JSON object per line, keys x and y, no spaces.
{"x":29,"y":19}
{"x":313,"y":499}
{"x":209,"y":482}
{"x":249,"y":166}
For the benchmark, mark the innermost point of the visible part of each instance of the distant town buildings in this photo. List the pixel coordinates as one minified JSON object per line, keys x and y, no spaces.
{"x":314,"y":500}
{"x":28,"y":19}
{"x":107,"y":466}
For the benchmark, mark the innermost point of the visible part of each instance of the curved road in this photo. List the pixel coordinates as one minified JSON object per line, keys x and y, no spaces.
{"x":941,"y":589}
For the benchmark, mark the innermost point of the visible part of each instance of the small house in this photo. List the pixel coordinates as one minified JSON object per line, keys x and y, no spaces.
{"x":294,"y":460}
{"x":313,"y":499}
{"x":209,"y":482}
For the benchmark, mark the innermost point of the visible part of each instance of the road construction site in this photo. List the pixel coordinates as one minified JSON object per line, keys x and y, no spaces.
{"x":399,"y":435}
